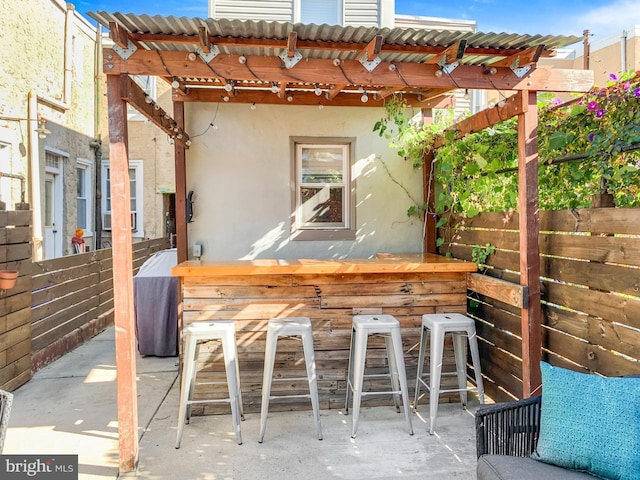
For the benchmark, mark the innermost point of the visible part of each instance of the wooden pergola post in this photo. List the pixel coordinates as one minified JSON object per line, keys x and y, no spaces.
{"x":181,"y":188}
{"x":122,"y":274}
{"x":529,"y":242}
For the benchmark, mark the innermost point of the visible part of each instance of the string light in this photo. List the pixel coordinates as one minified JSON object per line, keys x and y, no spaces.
{"x":438,"y":73}
{"x":175,"y":83}
{"x":225,"y":98}
{"x":317,"y":90}
{"x":274,"y":87}
{"x":253,"y":106}
{"x":228,"y":86}
{"x":242,"y":59}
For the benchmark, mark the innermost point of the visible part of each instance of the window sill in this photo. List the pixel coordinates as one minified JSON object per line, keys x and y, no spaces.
{"x":322,"y":235}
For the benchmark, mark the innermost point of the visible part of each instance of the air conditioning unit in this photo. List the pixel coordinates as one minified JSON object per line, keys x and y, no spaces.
{"x":106,"y":223}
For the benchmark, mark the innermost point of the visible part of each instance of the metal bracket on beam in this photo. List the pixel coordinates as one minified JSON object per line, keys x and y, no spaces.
{"x":519,"y":71}
{"x":447,"y":67}
{"x":207,"y":57}
{"x":125,"y":53}
{"x":370,"y":65}
{"x":288,"y":61}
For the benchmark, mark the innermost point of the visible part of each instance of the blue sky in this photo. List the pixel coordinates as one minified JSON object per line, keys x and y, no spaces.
{"x":556,"y":17}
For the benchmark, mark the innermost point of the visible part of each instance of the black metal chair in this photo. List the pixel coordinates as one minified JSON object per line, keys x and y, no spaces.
{"x":508,"y":428}
{"x":6,"y":399}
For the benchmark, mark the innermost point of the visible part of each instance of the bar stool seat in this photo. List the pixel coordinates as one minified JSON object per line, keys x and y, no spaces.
{"x":225,"y":331}
{"x":289,"y":327}
{"x":459,"y":326}
{"x":388,"y":327}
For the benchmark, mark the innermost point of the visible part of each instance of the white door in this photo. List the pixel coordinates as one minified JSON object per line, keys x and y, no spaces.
{"x":52,"y":216}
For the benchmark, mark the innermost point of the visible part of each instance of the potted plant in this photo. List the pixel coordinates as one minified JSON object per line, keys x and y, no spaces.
{"x":8,"y":279}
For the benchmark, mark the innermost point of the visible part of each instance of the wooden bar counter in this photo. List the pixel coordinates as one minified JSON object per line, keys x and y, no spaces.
{"x":329,"y":292}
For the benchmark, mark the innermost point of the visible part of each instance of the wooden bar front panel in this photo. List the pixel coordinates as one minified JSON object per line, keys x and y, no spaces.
{"x":329,"y":300}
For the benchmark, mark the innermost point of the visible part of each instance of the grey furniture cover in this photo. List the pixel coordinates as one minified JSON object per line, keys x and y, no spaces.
{"x":156,"y":305}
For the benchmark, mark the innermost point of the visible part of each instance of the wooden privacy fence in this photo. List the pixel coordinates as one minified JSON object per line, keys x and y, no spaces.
{"x":15,"y":303}
{"x":590,"y":281}
{"x":73,"y":298}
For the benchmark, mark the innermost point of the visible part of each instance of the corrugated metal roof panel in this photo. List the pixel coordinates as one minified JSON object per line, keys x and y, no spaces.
{"x":330,"y":33}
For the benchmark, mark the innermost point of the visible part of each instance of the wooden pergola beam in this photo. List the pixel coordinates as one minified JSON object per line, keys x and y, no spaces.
{"x":450,"y":54}
{"x":483,"y":119}
{"x":124,"y":318}
{"x":291,"y":44}
{"x":145,"y":62}
{"x":203,"y":37}
{"x":136,"y":97}
{"x":265,"y":97}
{"x":521,"y":59}
{"x":335,"y":90}
{"x":118,"y":35}
{"x":372,"y":49}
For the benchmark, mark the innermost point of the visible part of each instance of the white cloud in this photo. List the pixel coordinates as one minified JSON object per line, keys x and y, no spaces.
{"x":607,"y":19}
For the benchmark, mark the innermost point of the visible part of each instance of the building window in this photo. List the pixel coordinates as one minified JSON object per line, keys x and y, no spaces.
{"x":323,"y":205}
{"x":321,"y":11}
{"x":83,"y":196}
{"x":135,"y":185}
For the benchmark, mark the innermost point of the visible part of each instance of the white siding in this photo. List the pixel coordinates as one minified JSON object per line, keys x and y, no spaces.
{"x":270,"y":10}
{"x":362,"y":13}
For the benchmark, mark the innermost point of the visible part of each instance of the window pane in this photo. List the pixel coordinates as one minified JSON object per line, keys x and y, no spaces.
{"x":322,"y":165}
{"x":319,"y":11}
{"x":48,"y":203}
{"x":81,"y":187}
{"x":82,"y":213}
{"x":322,"y":205}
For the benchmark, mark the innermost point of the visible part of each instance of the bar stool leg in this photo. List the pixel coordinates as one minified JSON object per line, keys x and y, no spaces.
{"x":358,"y":376}
{"x":267,"y":378}
{"x":435,"y":368}
{"x":399,"y":361}
{"x":460,"y":354}
{"x":350,"y":371}
{"x":310,"y":361}
{"x":424,"y":337}
{"x":475,"y":358}
{"x":230,"y":360}
{"x":186,"y":389}
{"x":393,"y":370}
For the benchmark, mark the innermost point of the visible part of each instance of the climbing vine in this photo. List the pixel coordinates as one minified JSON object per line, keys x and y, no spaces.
{"x":479,"y":172}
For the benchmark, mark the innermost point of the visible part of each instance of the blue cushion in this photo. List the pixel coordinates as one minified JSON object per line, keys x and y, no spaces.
{"x":590,"y":423}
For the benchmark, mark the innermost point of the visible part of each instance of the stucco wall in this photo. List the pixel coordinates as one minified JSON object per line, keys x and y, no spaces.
{"x":32,"y":59}
{"x":241,"y":174}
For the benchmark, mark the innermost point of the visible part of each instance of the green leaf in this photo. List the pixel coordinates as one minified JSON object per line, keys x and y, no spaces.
{"x":439,"y":241}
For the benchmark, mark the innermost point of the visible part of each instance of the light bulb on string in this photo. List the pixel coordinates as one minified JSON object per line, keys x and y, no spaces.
{"x":317,"y":90}
{"x":253,"y":106}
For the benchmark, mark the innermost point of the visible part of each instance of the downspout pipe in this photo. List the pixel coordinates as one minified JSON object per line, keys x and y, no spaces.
{"x":34,"y":167}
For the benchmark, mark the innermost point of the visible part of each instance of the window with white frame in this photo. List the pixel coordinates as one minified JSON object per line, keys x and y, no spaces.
{"x":323,"y":206}
{"x":320,"y":11}
{"x":84,"y":195}
{"x":136,"y":188}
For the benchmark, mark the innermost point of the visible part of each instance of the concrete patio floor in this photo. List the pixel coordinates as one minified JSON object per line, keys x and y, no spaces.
{"x":69,"y":407}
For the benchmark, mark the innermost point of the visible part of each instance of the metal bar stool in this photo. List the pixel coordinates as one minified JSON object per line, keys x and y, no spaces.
{"x":289,"y":327}
{"x":458,"y":325}
{"x":225,"y":331}
{"x":388,"y":327}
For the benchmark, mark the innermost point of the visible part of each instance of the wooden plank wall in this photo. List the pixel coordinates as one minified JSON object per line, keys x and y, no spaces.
{"x":73,"y":298}
{"x":15,"y":304}
{"x":590,"y":293}
{"x":330,"y":301}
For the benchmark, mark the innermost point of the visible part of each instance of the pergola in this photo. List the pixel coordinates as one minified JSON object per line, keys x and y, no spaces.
{"x":298,"y":64}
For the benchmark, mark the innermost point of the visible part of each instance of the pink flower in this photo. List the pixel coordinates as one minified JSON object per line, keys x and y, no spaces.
{"x":600,"y":113}
{"x":626,"y":86}
{"x":613,"y":77}
{"x":592,"y":106}
{"x":637,"y":92}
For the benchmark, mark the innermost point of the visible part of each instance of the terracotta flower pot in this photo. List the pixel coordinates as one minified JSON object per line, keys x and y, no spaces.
{"x":8,"y":279}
